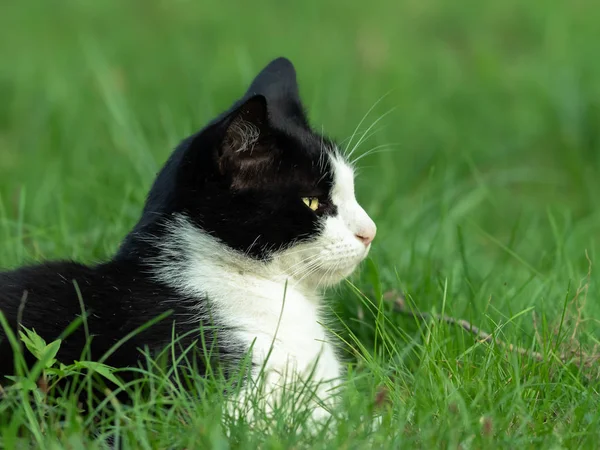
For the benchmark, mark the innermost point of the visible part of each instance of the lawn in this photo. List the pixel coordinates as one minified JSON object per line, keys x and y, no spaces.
{"x":484,"y":184}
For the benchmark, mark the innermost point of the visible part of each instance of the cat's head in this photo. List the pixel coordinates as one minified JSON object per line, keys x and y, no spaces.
{"x":259,"y":181}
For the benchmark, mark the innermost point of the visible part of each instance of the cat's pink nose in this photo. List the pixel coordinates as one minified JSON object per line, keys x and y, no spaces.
{"x":366,"y":236}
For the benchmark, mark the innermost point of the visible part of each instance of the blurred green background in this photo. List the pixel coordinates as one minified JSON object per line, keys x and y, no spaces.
{"x":485,"y":185}
{"x":489,"y":117}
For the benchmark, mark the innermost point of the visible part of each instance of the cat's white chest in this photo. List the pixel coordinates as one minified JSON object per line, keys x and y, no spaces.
{"x":255,"y":307}
{"x":282,"y":326}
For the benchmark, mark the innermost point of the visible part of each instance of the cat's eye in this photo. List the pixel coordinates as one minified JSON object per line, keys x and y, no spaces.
{"x":311,"y":202}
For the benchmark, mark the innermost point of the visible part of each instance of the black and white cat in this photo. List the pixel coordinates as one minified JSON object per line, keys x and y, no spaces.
{"x":254,"y":207}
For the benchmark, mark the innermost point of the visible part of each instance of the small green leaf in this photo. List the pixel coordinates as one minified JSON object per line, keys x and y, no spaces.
{"x":22,"y":383}
{"x":34,"y":343}
{"x":102,"y":369}
{"x":50,"y":352}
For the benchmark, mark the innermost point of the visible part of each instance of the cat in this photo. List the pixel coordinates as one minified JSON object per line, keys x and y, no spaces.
{"x":249,"y":220}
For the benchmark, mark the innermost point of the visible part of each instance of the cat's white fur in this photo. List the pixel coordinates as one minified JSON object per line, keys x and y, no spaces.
{"x":247,"y":296}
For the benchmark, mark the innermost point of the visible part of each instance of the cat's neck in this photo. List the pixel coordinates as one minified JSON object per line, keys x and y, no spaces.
{"x":193,"y":262}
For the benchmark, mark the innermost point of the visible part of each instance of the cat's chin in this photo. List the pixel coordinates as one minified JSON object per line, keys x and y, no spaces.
{"x":329,"y":278}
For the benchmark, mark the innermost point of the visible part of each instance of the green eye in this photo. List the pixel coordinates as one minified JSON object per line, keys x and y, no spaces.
{"x":311,"y":202}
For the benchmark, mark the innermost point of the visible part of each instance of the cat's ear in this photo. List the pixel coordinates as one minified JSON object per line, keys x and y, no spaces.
{"x":276,"y":81}
{"x":246,"y":149}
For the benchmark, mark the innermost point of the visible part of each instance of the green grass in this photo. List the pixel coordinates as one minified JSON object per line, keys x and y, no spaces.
{"x":486,"y":202}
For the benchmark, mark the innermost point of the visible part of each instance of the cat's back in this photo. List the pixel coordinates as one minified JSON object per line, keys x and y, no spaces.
{"x":40,"y":297}
{"x":34,"y":293}
{"x":49,"y":297}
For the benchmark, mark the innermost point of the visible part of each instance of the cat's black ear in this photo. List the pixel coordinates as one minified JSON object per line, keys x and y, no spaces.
{"x":246,"y":149}
{"x":278,"y":84}
{"x":277,"y":80}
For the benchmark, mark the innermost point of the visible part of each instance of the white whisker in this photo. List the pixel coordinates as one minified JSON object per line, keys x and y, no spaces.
{"x":379,"y":100}
{"x":375,"y":150}
{"x":349,"y":155}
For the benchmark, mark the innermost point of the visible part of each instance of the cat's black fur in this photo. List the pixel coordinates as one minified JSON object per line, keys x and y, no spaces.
{"x":248,"y":199}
